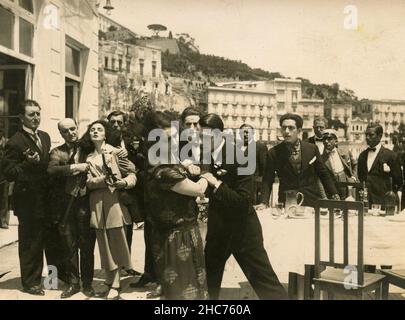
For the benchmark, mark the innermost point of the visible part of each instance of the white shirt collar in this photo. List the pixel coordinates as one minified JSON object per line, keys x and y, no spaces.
{"x":216,"y":152}
{"x":30,"y":131}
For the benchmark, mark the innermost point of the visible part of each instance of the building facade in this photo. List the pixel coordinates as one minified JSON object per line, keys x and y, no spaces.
{"x":389,"y":114}
{"x":358,"y":129}
{"x":239,"y":106}
{"x":363,"y":110}
{"x":261,"y":104}
{"x":128,"y":72}
{"x":49,"y":53}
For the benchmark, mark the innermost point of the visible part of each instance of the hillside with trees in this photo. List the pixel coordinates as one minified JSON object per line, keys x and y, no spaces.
{"x":189,"y":62}
{"x":331,"y":93}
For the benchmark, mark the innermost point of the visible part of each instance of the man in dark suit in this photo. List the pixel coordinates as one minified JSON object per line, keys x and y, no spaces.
{"x":319,"y":125}
{"x":376,"y":165}
{"x":118,"y":121}
{"x":339,"y":163}
{"x":297,"y":164}
{"x":261,"y":154}
{"x":25,"y":163}
{"x":4,"y":187}
{"x":68,"y":169}
{"x":233,"y":225}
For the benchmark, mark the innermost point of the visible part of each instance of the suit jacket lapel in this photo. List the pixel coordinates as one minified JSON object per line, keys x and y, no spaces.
{"x":326,"y":160}
{"x":43,"y":143}
{"x":33,"y":145}
{"x":285,"y":159}
{"x":345,"y":165}
{"x":306,"y":157}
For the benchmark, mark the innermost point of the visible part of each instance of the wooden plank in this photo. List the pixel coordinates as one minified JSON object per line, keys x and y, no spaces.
{"x":292,"y":285}
{"x":331,"y":235}
{"x":346,"y":237}
{"x":308,"y":276}
{"x":360,"y":246}
{"x":317,"y":241}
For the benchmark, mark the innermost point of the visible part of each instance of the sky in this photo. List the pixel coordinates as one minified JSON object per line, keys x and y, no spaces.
{"x":298,"y":38}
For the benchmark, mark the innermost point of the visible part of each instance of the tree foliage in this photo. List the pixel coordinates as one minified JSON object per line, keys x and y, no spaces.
{"x":331,"y":93}
{"x":189,"y":62}
{"x":156,"y":28}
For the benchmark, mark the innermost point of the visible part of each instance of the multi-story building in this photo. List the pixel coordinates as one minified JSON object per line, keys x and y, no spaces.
{"x":126,"y":72}
{"x":363,"y":110}
{"x":49,"y":52}
{"x":239,"y":106}
{"x":262,"y":103}
{"x":106,"y":24}
{"x":358,"y":128}
{"x":389,"y":113}
{"x":112,"y":30}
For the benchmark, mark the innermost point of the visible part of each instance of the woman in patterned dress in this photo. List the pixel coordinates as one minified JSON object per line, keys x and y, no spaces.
{"x":177,"y":244}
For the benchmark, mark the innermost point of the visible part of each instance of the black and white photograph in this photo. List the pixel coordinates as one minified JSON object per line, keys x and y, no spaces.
{"x":218,"y":150}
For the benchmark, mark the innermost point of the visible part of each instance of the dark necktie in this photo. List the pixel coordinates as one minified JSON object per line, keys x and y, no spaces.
{"x":37,"y":140}
{"x":371,"y":149}
{"x":72,"y":156}
{"x":295,"y":151}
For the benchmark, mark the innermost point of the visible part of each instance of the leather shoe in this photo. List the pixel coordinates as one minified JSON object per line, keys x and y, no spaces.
{"x":70,"y":291}
{"x":132,"y":272}
{"x":36,"y":291}
{"x":158,"y":292}
{"x":145,"y":279}
{"x":88,"y":291}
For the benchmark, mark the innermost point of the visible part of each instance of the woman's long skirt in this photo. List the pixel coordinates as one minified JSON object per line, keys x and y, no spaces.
{"x":113,"y":246}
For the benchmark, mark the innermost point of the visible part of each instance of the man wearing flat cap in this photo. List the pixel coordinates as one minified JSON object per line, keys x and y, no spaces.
{"x":339,"y":164}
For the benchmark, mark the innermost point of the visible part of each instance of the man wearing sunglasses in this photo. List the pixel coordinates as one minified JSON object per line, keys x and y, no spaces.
{"x":298,"y":165}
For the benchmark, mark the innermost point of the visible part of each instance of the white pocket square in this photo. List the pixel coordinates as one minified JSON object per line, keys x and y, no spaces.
{"x":313,"y":160}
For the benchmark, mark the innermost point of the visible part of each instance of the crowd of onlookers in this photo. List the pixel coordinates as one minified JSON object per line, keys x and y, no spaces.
{"x":102,"y":185}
